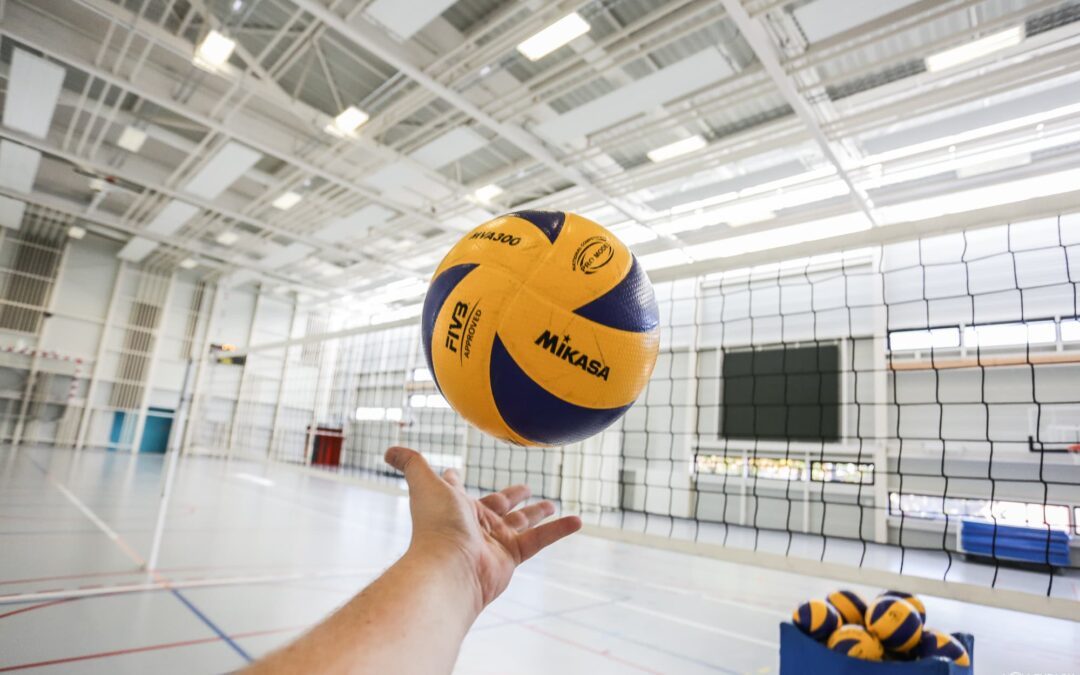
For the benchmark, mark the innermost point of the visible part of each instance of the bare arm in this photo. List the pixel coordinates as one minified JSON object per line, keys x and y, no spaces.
{"x":413,"y":618}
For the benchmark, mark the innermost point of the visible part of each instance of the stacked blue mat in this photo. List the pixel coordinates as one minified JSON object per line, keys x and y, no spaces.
{"x":1037,"y":545}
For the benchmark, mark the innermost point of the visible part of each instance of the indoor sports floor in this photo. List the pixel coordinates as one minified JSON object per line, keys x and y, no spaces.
{"x":253,"y":554}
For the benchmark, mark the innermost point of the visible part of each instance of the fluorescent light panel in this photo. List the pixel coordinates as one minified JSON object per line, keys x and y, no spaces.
{"x":18,"y":166}
{"x":33,"y":88}
{"x":971,"y":51}
{"x":677,"y":149}
{"x":487,"y":193}
{"x":348,"y":121}
{"x":556,"y":35}
{"x":189,"y":263}
{"x":136,"y":249}
{"x":695,"y":72}
{"x":227,"y":238}
{"x":406,"y":19}
{"x":171,"y":218}
{"x":286,"y":201}
{"x":131,"y":139}
{"x":76,"y":232}
{"x":231,"y":161}
{"x":11,"y":212}
{"x":214,"y":50}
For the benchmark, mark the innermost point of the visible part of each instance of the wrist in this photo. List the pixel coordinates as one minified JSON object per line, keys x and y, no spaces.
{"x":453,"y":568}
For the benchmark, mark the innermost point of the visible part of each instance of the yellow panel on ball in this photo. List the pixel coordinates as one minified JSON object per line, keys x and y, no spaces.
{"x":565,"y":337}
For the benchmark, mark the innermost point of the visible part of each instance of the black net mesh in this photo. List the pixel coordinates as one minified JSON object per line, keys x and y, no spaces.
{"x":910,"y":408}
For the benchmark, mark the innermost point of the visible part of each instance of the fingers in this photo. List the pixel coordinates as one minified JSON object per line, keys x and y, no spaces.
{"x":503,"y":501}
{"x":531,"y":542}
{"x":412,"y":464}
{"x":530,"y":515}
{"x":452,"y":477}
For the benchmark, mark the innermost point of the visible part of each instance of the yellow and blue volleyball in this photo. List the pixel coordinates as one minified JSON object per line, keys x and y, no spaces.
{"x":856,"y":642}
{"x":849,"y":604}
{"x":540,"y":328}
{"x":939,"y":644}
{"x":817,"y":619}
{"x":912,"y":600}
{"x":895,"y":622}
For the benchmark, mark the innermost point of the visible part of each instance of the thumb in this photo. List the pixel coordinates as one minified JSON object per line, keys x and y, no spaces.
{"x":412,"y":464}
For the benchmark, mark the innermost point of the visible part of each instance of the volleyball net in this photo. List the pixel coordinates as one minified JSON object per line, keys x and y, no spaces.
{"x":911,"y":408}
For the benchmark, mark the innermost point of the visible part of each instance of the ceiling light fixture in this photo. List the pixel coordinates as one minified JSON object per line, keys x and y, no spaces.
{"x":956,"y":56}
{"x":677,"y":149}
{"x":286,"y":201}
{"x":189,"y":263}
{"x":554,"y":36}
{"x":214,"y":51}
{"x":488,"y":193}
{"x":76,"y":232}
{"x":131,"y":139}
{"x":347,"y":122}
{"x":227,"y":238}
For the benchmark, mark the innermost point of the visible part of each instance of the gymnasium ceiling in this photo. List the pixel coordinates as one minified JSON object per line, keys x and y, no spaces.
{"x":804,"y":123}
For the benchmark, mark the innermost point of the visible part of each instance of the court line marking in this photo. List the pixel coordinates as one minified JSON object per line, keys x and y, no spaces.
{"x":681,"y":590}
{"x":147,"y":648}
{"x":562,"y":615}
{"x":179,"y":583}
{"x":134,"y":555}
{"x":771,"y":644}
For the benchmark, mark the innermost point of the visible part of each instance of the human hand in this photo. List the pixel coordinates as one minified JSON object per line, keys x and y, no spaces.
{"x":487,"y":538}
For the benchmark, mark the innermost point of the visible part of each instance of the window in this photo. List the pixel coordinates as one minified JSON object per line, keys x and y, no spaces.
{"x":1006,"y":512}
{"x":370,"y":414}
{"x":778,"y":468}
{"x":1015,"y":334}
{"x":842,"y":472}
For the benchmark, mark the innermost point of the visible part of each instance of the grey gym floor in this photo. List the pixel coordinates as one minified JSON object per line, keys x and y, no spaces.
{"x":253,"y":554}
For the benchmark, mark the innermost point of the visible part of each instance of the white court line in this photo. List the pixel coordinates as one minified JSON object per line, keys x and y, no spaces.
{"x":101,"y":524}
{"x":771,"y":644}
{"x":651,"y":612}
{"x":190,"y":583}
{"x":680,"y":590}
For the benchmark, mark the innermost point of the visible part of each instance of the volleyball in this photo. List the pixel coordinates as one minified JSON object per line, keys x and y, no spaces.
{"x":895,"y":622}
{"x":849,"y":604}
{"x":816,"y":618}
{"x":540,"y":328}
{"x":912,"y":600}
{"x":936,"y":643}
{"x":856,"y":642}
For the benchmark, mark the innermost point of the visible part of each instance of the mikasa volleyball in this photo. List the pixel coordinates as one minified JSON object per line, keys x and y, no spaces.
{"x":540,"y":327}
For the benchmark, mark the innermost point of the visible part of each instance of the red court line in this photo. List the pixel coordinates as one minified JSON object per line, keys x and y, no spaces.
{"x":592,"y":650}
{"x":40,"y":605}
{"x":148,"y":648}
{"x":171,"y":570}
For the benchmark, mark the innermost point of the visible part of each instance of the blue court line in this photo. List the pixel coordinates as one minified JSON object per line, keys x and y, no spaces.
{"x":562,"y":616}
{"x":220,"y":633}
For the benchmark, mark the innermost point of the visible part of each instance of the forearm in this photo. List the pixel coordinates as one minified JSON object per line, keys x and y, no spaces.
{"x":412,"y":619}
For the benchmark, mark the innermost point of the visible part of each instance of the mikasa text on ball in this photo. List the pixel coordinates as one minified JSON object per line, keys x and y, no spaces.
{"x":540,"y":327}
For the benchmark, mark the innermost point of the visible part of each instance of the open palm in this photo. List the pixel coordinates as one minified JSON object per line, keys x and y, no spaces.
{"x":489,"y":535}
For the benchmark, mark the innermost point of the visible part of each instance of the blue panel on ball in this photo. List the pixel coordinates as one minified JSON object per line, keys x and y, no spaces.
{"x":534,"y":413}
{"x":548,"y":222}
{"x":438,"y":291}
{"x":629,"y":306}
